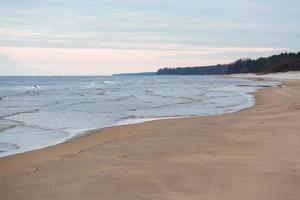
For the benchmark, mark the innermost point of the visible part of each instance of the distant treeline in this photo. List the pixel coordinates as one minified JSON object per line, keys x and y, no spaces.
{"x":277,"y":63}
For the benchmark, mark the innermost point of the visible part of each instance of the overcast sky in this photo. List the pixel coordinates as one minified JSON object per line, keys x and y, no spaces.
{"x":90,"y":37}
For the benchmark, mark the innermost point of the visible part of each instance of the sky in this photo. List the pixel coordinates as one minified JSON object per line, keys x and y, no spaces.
{"x":102,"y":37}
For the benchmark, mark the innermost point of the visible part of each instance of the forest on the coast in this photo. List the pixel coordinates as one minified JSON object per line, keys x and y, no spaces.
{"x":276,"y":63}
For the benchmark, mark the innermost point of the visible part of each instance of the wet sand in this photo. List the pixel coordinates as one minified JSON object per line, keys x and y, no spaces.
{"x":251,"y":154}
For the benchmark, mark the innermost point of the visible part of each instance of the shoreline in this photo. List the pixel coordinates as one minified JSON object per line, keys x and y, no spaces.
{"x":229,"y":156}
{"x":250,"y":103}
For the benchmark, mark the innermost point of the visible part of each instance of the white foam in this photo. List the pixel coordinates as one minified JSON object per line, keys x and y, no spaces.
{"x":275,"y":76}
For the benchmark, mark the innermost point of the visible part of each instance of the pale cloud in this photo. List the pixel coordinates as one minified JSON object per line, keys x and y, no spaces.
{"x":10,"y":66}
{"x":88,"y":61}
{"x":122,"y":23}
{"x":107,"y":36}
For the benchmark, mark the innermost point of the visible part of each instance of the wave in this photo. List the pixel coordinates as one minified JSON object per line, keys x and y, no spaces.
{"x":35,"y":86}
{"x":7,"y":128}
{"x":124,"y":98}
{"x":149,"y":91}
{"x":3,"y":98}
{"x":101,"y":93}
{"x":129,"y":117}
{"x":21,"y":112}
{"x":4,"y":147}
{"x":187,"y":102}
{"x":161,"y":106}
{"x":108,"y":82}
{"x":249,"y":85}
{"x":152,"y":93}
{"x":132,"y":109}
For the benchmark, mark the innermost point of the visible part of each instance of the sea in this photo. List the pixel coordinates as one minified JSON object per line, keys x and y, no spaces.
{"x":37,"y":112}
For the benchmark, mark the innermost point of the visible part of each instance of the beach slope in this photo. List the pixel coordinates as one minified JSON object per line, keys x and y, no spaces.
{"x":251,"y":154}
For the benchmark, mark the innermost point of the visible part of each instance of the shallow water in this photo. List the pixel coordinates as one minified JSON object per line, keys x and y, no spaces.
{"x":36,"y":112}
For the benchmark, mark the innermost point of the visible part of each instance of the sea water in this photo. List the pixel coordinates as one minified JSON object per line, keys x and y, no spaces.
{"x":37,"y":112}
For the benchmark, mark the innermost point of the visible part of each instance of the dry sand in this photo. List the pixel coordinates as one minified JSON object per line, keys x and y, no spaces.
{"x":278,"y":76}
{"x":252,"y":154}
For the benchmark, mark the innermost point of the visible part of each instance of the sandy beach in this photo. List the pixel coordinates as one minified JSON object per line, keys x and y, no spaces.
{"x":251,"y":154}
